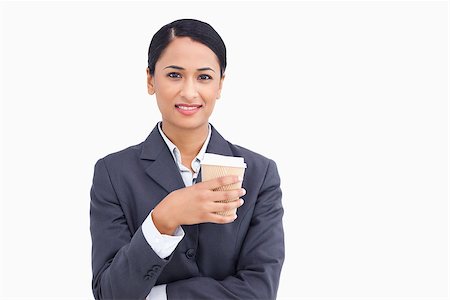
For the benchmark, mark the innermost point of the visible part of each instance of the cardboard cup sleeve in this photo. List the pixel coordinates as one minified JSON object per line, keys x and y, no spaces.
{"x":214,"y":166}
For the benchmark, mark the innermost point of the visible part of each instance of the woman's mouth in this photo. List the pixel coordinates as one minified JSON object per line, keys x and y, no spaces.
{"x":188,"y":109}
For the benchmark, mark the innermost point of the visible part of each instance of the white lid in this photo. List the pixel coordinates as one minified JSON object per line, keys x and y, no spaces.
{"x":223,"y":160}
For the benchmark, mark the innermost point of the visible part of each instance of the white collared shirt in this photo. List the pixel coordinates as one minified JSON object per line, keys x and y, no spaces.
{"x":185,"y":172}
{"x":163,"y":244}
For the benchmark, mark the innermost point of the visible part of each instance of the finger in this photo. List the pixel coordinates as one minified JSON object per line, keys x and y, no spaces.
{"x":219,"y":181}
{"x":226,"y":206}
{"x":221,"y":219}
{"x":227,"y":195}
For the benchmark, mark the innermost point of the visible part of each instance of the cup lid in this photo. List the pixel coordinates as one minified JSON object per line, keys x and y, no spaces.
{"x":223,"y":160}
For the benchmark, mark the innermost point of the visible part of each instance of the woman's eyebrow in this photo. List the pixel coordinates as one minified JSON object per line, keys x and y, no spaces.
{"x":181,"y":68}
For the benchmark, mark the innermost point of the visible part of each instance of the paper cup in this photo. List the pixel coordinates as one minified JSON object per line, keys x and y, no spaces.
{"x":214,"y":166}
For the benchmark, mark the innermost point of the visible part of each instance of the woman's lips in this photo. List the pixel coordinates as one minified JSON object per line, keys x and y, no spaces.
{"x":188,"y":110}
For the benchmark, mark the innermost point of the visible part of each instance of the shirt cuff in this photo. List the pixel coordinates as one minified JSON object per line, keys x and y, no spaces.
{"x":162,"y":244}
{"x":158,"y":292}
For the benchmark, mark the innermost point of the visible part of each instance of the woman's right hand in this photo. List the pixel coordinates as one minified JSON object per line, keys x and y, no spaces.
{"x":197,"y":204}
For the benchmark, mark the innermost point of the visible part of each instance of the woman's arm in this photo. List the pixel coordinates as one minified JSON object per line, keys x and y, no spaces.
{"x":124,"y":265}
{"x":261,"y":256}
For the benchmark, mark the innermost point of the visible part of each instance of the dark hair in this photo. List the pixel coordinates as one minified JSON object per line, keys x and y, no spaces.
{"x":197,"y":30}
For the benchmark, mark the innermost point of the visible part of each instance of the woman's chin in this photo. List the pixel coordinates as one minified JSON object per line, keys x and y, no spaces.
{"x":189,"y":124}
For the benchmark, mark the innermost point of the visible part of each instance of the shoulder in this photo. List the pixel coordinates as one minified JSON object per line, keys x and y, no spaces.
{"x":257,"y":164}
{"x":122,"y":158}
{"x":248,"y":155}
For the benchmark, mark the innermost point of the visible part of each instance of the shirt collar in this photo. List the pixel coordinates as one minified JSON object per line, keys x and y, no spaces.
{"x":176,"y":153}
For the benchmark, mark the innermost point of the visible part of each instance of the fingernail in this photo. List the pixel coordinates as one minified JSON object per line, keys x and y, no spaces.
{"x":243,"y":192}
{"x":242,"y":201}
{"x":240,"y":178}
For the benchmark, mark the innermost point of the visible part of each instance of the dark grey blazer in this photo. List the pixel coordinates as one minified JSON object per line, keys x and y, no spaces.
{"x":239,"y":260}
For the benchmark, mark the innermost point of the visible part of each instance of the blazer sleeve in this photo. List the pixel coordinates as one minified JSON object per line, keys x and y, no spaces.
{"x":124,"y":266}
{"x":260,"y":259}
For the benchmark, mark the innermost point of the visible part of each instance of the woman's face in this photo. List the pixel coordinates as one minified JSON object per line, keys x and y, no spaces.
{"x":187,"y":83}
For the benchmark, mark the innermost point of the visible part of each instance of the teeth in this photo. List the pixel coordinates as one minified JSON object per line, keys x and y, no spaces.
{"x":187,"y":108}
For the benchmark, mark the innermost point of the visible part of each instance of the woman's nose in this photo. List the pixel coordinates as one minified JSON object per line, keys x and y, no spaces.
{"x":189,"y":89}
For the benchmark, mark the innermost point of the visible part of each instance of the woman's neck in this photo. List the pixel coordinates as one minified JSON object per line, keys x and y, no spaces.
{"x":188,"y":141}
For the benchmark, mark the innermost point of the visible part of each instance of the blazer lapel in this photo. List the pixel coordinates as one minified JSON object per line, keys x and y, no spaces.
{"x":217,"y":145}
{"x":163,"y":170}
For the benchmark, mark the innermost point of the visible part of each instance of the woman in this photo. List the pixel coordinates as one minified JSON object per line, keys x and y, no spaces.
{"x":156,"y":232}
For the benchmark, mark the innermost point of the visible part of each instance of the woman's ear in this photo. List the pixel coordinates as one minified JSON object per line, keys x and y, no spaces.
{"x":150,"y":83}
{"x":220,"y":87}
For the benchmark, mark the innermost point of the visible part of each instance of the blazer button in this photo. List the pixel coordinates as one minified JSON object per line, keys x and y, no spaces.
{"x":156,"y":268}
{"x":190,"y":253}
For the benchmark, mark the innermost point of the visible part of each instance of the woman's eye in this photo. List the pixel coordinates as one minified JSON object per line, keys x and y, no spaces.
{"x":178,"y":75}
{"x":205,"y":77}
{"x":173,"y":75}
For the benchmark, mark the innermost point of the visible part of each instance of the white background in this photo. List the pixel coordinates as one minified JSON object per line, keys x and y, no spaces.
{"x":349,"y":98}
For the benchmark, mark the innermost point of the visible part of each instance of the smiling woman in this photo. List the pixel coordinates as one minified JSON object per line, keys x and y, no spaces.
{"x":158,"y":231}
{"x":183,"y":88}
